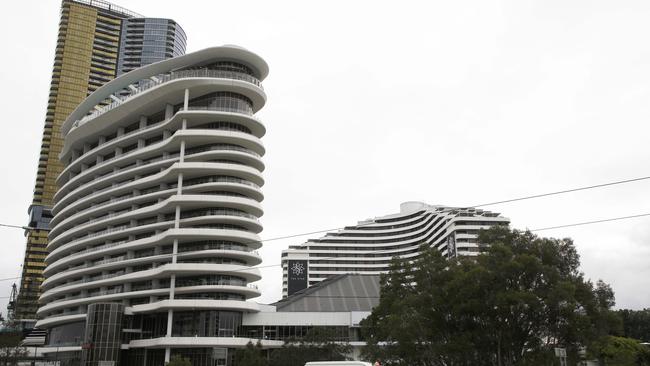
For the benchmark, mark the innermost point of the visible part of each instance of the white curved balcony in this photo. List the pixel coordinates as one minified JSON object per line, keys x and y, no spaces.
{"x":195,"y":304}
{"x":251,"y":274}
{"x":89,"y":179}
{"x":193,"y":119}
{"x":171,"y":92}
{"x":247,"y":255}
{"x":223,"y":342}
{"x":60,"y":319}
{"x":251,"y":240}
{"x":205,"y":168}
{"x":188,"y":201}
{"x":149,"y":190}
{"x":174,"y":75}
{"x":247,"y":290}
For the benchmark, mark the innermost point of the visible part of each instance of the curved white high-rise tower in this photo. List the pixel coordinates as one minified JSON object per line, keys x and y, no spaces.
{"x":157,"y":210}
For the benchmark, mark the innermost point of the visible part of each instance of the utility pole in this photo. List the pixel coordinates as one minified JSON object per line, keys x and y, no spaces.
{"x":561,"y":354}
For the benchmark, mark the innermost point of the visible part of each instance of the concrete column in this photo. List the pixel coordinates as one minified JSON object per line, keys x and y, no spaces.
{"x":169,"y":111}
{"x":143,"y":122}
{"x":179,"y":185}
{"x":174,"y":250}
{"x":182,"y":152}
{"x":172,"y":286}
{"x":186,"y":101}
{"x":170,"y":314}
{"x":177,"y":220}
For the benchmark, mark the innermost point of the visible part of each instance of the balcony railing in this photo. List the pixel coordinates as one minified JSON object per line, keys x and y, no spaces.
{"x":144,"y":85}
{"x":217,"y":147}
{"x":81,"y":186}
{"x":217,"y":212}
{"x":110,"y":260}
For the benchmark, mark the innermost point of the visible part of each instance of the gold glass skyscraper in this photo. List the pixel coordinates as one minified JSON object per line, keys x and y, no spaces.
{"x":92,"y":36}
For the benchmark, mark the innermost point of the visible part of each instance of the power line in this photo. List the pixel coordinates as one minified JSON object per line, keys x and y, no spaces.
{"x":624,"y":181}
{"x":540,"y":229}
{"x":16,"y":226}
{"x":457,"y":208}
{"x":391,"y":250}
{"x":10,"y":278}
{"x":474,"y":206}
{"x":592,"y":222}
{"x":564,"y":191}
{"x":449,"y":210}
{"x":379,"y":251}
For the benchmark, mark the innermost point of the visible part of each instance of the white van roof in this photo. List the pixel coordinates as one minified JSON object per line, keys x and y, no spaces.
{"x":338,"y":363}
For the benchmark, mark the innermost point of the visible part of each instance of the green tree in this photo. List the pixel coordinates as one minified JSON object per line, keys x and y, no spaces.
{"x":620,"y":351}
{"x":10,"y":350}
{"x":636,"y":324}
{"x":252,"y":355}
{"x":318,"y":345}
{"x":178,"y":360}
{"x":511,"y":305}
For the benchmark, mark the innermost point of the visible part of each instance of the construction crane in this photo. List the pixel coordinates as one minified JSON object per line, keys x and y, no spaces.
{"x":11,"y":306}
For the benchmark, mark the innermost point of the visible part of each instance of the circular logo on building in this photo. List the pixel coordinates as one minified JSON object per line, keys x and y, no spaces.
{"x":297,"y":269}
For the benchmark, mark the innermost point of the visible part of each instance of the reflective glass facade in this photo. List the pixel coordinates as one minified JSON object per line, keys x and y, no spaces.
{"x":70,"y":334}
{"x":148,"y":40}
{"x":103,"y":333}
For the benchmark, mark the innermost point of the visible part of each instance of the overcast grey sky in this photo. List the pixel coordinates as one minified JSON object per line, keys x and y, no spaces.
{"x":372,"y":103}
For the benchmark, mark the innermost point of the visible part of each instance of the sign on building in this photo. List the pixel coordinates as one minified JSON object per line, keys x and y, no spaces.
{"x":298,"y":274}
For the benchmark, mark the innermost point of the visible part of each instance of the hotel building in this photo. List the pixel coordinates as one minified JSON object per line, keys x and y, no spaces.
{"x":369,"y":246}
{"x":155,"y":228}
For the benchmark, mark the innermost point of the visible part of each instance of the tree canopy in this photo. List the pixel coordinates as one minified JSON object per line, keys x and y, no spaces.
{"x":317,"y":345}
{"x":636,"y":324}
{"x":11,"y":352}
{"x":178,"y":360}
{"x":621,"y":351}
{"x":252,"y":355}
{"x":511,"y":305}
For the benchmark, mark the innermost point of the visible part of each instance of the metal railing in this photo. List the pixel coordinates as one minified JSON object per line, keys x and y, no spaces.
{"x":217,"y":212}
{"x":188,"y":248}
{"x":191,"y":283}
{"x":93,"y":194}
{"x":220,"y":179}
{"x":145,"y":85}
{"x":217,"y":147}
{"x":101,"y":247}
{"x":81,"y":186}
{"x":110,"y":260}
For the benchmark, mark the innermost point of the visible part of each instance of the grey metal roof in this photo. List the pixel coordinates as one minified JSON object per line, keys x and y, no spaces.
{"x":345,"y":292}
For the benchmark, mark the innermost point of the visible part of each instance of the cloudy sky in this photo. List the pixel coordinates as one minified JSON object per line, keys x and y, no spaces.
{"x":372,"y":103}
